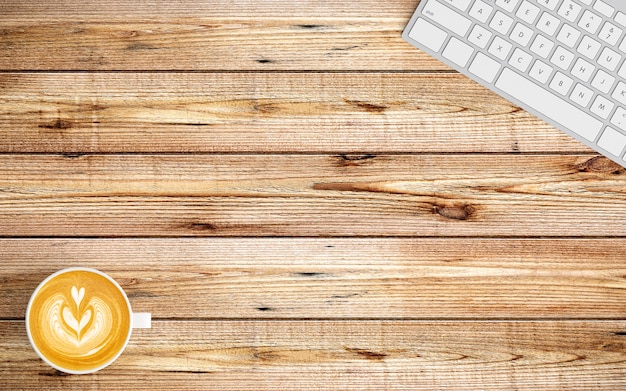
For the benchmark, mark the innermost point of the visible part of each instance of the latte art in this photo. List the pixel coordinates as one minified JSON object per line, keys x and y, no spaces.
{"x":76,"y":323}
{"x":79,"y":320}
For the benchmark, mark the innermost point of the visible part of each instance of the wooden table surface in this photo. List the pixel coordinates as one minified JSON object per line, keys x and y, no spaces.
{"x":302,"y":200}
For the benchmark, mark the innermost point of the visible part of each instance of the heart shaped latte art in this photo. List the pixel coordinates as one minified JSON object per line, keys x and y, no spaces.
{"x":77,"y":324}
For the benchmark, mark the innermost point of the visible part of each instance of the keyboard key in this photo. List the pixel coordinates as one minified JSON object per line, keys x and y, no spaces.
{"x":508,"y":5}
{"x":609,"y":59}
{"x":621,"y":19}
{"x":622,"y":71}
{"x":589,"y":47}
{"x":548,"y":24}
{"x":603,"y":8}
{"x":561,"y":83}
{"x":520,"y":60}
{"x":481,"y":11}
{"x":521,"y":34}
{"x":620,"y":93}
{"x":612,"y":141}
{"x":542,"y":46}
{"x":562,"y":58}
{"x":603,"y":82}
{"x":459,"y":4}
{"x":610,"y":33}
{"x":549,"y":4}
{"x":570,"y":10}
{"x":428,"y":35}
{"x":583,"y":70}
{"x":480,"y":36}
{"x":501,"y":23}
{"x":622,"y":47}
{"x":602,"y":107}
{"x":581,"y":95}
{"x":447,"y":17}
{"x":484,"y":67}
{"x":568,"y":35}
{"x":500,"y":48}
{"x":619,"y":118}
{"x":541,"y":72}
{"x":458,"y":52}
{"x":528,"y":12}
{"x":548,"y":104}
{"x":590,"y":22}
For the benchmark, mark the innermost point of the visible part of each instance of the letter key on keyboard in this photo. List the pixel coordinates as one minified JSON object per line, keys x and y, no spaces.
{"x":562,"y":60}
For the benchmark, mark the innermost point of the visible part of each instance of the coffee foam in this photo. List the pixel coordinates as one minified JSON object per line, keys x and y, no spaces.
{"x":79,"y":321}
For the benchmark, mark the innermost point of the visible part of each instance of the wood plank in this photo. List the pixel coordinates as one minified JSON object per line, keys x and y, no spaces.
{"x":211,"y":44}
{"x":217,"y":35}
{"x":120,"y":10}
{"x":264,"y":112}
{"x":311,"y":195}
{"x":368,"y":355}
{"x":336,"y":278}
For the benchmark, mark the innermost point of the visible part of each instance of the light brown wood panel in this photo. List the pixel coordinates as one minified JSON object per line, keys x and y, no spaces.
{"x":120,"y":10}
{"x":222,"y":35}
{"x":368,"y":355}
{"x":336,"y":278}
{"x":311,"y":195}
{"x":210,"y":44}
{"x":264,"y":112}
{"x":302,"y":200}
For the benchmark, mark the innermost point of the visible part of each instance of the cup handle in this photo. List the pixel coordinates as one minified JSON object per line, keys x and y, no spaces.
{"x":142,"y":320}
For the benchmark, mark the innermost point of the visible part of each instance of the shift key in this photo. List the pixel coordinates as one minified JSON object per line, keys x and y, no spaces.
{"x":447,"y":17}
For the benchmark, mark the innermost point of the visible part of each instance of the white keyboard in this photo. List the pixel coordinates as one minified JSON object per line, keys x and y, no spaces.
{"x":562,"y":60}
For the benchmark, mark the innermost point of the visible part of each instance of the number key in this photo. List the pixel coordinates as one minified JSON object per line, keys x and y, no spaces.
{"x":549,"y":4}
{"x":570,"y":10}
{"x":590,"y":22}
{"x":610,"y":34}
{"x":603,"y":8}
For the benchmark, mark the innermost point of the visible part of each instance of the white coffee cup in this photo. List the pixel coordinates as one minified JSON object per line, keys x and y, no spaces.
{"x":79,"y":320}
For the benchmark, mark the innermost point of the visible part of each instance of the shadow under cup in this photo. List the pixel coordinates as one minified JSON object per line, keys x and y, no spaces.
{"x":79,"y":320}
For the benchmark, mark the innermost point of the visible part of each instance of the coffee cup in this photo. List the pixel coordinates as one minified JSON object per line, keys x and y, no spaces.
{"x":79,"y":320}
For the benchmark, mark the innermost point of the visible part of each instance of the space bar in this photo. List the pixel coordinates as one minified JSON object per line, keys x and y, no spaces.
{"x":549,"y":105}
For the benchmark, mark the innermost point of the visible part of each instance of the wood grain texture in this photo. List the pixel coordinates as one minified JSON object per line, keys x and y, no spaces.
{"x":264,"y":112}
{"x":311,"y":195}
{"x":121,"y":10}
{"x":221,"y":35}
{"x":368,"y":355}
{"x":336,"y":278}
{"x":302,"y":200}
